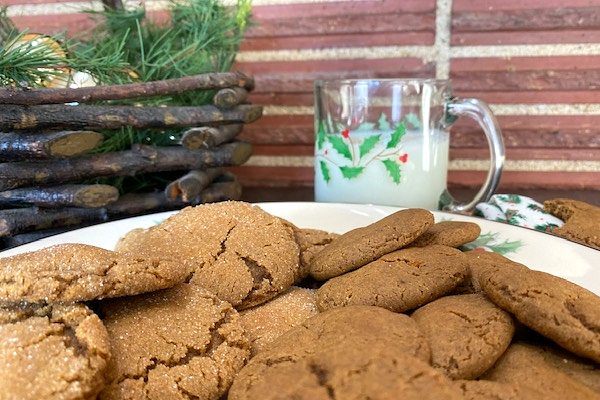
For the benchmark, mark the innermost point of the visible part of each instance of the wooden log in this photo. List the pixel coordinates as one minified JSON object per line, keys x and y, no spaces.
{"x":141,"y":203}
{"x":191,"y":184}
{"x":16,"y":221}
{"x":36,"y":145}
{"x":206,"y":136}
{"x":19,"y":220}
{"x":87,"y":196}
{"x":16,"y":117}
{"x":24,"y":238}
{"x":216,"y":80}
{"x":198,"y":138}
{"x":230,"y":97}
{"x":140,"y":159}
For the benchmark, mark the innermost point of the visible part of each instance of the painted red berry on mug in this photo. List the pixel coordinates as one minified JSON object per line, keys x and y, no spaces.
{"x":403,"y":158}
{"x":346,"y":133}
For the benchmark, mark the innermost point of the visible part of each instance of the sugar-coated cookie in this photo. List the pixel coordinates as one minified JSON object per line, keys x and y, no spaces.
{"x":181,"y":342}
{"x":54,"y":352}
{"x":235,"y":250}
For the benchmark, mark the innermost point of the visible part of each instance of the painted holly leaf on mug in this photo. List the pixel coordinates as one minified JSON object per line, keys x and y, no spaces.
{"x":325,"y":171}
{"x":350,"y":151}
{"x":366,"y":126}
{"x":368,"y":144}
{"x":393,"y":169}
{"x":399,"y":131}
{"x":339,"y":145}
{"x":383,"y":124}
{"x":351,"y":172}
{"x":413,"y":119}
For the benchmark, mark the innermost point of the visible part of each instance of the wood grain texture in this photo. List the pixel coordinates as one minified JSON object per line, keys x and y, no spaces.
{"x":527,"y":20}
{"x":511,"y":181}
{"x":343,"y":26}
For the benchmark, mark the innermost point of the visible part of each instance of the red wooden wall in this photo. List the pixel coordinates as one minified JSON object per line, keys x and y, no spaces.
{"x":537,"y":63}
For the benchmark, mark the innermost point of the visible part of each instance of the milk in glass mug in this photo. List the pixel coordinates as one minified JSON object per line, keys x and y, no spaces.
{"x":386,"y":142}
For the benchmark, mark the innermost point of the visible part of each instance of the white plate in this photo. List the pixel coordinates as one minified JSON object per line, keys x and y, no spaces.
{"x":537,"y":250}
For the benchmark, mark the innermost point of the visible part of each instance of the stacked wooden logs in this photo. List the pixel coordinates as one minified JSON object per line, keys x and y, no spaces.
{"x":46,"y":136}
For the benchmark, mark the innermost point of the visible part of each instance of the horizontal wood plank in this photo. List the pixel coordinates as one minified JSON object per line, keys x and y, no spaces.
{"x":511,"y":180}
{"x":527,"y":19}
{"x":334,"y":8}
{"x":342,"y":23}
{"x":526,"y":80}
{"x":338,"y":40}
{"x":532,"y":37}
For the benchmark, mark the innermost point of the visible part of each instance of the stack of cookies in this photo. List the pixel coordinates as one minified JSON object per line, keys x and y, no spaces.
{"x":226,"y":301}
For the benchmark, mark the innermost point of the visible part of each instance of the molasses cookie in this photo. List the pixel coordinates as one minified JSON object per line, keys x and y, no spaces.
{"x":51,"y":352}
{"x":341,"y":372}
{"x":582,"y":370}
{"x":582,"y":220}
{"x":177,"y":343}
{"x":354,"y":352}
{"x":522,"y":365}
{"x":311,"y":241}
{"x":80,"y":272}
{"x":466,"y":333}
{"x":237,"y":251}
{"x":399,"y":281}
{"x":449,"y":233}
{"x":554,"y":307}
{"x":477,"y":260}
{"x":360,"y":246}
{"x":266,"y":322}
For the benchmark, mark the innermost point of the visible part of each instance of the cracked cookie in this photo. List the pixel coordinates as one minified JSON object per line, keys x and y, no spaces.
{"x":448,"y":233}
{"x":399,"y":281}
{"x":266,"y":322}
{"x":51,"y":352}
{"x":360,"y":246}
{"x":466,"y":333}
{"x":522,"y":365}
{"x":177,"y":343}
{"x":80,"y":272}
{"x":355,"y":352}
{"x":311,"y":241}
{"x":237,"y":251}
{"x":582,"y":220}
{"x":554,"y":307}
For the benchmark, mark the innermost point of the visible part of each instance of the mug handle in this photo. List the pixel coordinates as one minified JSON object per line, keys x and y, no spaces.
{"x":480,"y":112}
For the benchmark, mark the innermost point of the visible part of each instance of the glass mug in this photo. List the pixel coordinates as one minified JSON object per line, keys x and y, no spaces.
{"x":386,"y":142}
